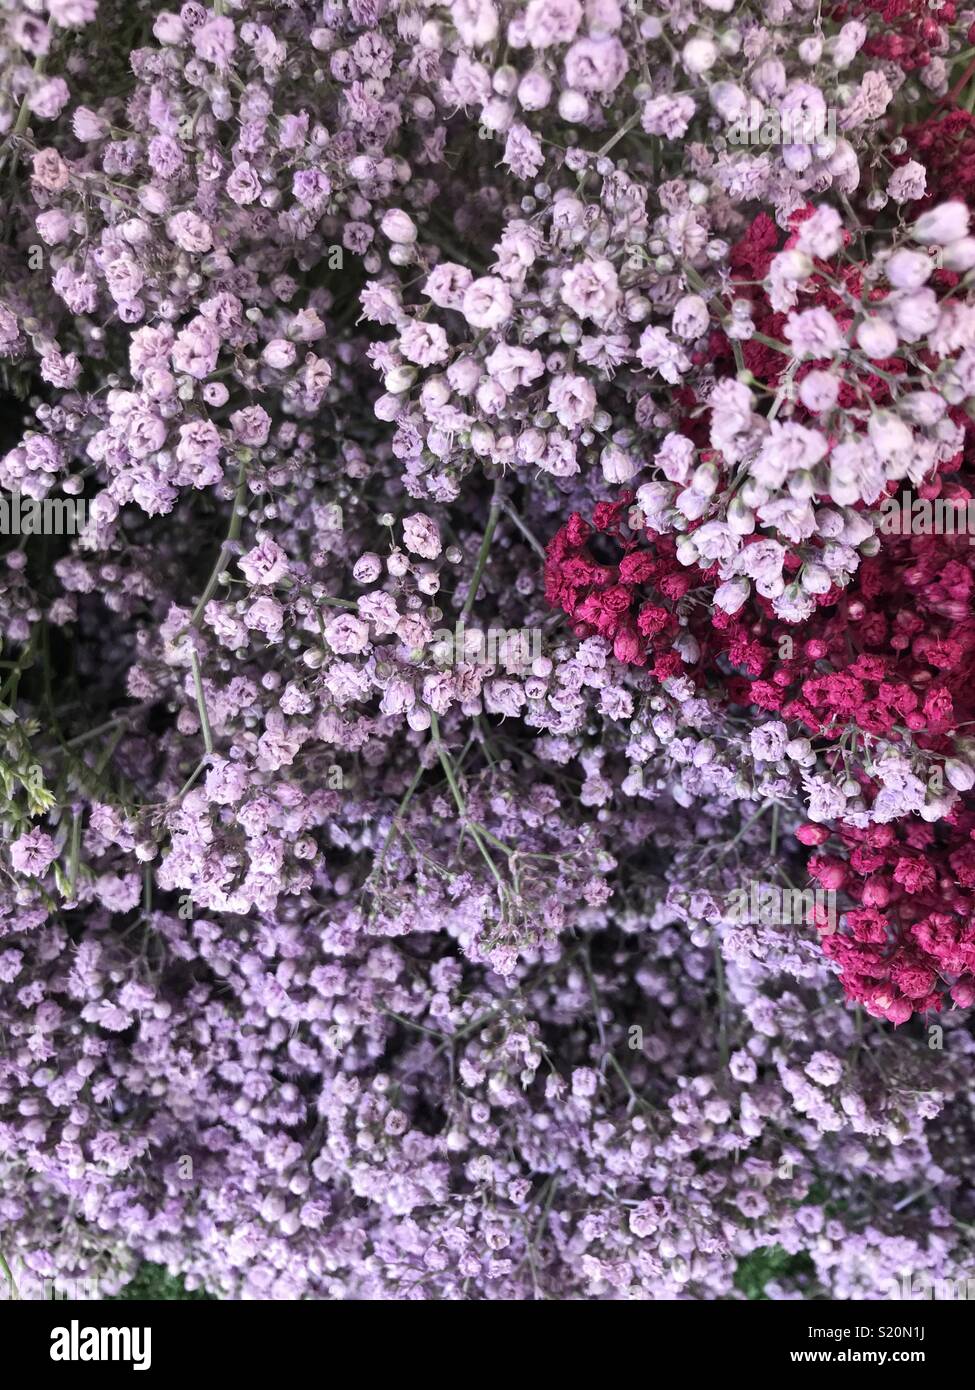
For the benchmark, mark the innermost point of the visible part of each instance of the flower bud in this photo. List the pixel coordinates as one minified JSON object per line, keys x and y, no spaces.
{"x":960,"y":775}
{"x":946,"y":223}
{"x":877,"y":338}
{"x":705,"y":479}
{"x":618,"y":466}
{"x":699,"y":55}
{"x":960,"y":255}
{"x":963,"y":994}
{"x":815,"y":579}
{"x":399,"y":379}
{"x":741,"y":519}
{"x":732,"y":595}
{"x":398,"y":227}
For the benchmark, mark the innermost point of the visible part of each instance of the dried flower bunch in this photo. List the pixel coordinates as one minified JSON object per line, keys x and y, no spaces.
{"x":484,"y":422}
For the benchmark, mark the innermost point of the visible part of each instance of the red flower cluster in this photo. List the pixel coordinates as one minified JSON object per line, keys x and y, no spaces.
{"x":894,"y":655}
{"x":899,"y":649}
{"x":631,"y":602}
{"x":914,"y":31}
{"x":945,"y":143}
{"x":911,"y":936}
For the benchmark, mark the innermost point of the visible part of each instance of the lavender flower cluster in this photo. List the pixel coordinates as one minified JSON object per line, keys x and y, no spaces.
{"x":338,"y":960}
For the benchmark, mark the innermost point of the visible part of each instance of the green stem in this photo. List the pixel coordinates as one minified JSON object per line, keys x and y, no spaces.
{"x":191,"y":780}
{"x":201,"y":703}
{"x":121,"y":719}
{"x":722,"y":1006}
{"x":615,"y":139}
{"x":8,"y":1275}
{"x":510,"y":512}
{"x":397,"y":822}
{"x":340,"y":602}
{"x":494,"y":514}
{"x":24,"y":661}
{"x":460,"y":803}
{"x":23,"y":115}
{"x":593,"y":994}
{"x":74,"y":854}
{"x":784,"y":348}
{"x":223,"y":559}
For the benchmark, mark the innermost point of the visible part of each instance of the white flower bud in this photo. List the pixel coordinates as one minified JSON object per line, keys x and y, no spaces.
{"x":618,"y":466}
{"x":960,"y":255}
{"x":705,"y":479}
{"x":698,"y":55}
{"x":942,"y":225}
{"x":792,"y":265}
{"x":960,"y":775}
{"x":877,"y":338}
{"x":741,"y":519}
{"x":688,"y":647}
{"x":731,"y":595}
{"x":399,"y":379}
{"x":691,"y":504}
{"x":691,"y":317}
{"x":815,"y":579}
{"x":398,"y":227}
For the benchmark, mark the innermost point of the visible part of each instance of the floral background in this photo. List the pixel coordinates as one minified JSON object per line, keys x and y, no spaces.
{"x":483,"y":418}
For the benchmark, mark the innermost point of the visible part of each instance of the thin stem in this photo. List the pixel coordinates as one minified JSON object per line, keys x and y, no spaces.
{"x":191,"y":779}
{"x":201,"y":703}
{"x":8,"y":1275}
{"x":460,"y":803}
{"x":223,"y":559}
{"x":397,"y":821}
{"x":781,"y":347}
{"x":340,"y":602}
{"x":542,"y":1220}
{"x":722,"y":1006}
{"x":23,"y":115}
{"x":510,"y":512}
{"x":412,"y":1023}
{"x":744,"y":830}
{"x":497,"y":498}
{"x":24,"y":662}
{"x":627,"y":1083}
{"x":74,"y":854}
{"x":99,"y":729}
{"x":597,"y":1007}
{"x":615,"y":139}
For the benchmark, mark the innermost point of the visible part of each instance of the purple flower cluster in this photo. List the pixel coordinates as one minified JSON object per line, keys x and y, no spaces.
{"x":337,"y":961}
